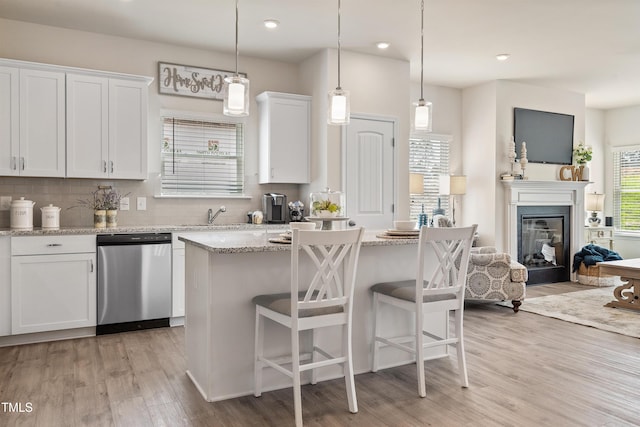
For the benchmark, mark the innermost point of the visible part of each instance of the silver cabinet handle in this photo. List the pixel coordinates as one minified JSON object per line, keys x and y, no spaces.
{"x":52,"y":245}
{"x":14,"y":164}
{"x":104,"y":166}
{"x":111,"y":164}
{"x":91,"y":266}
{"x":272,"y":173}
{"x":22,"y":162}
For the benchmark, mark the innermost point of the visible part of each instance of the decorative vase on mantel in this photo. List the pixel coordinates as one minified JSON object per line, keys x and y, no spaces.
{"x":112,"y":218}
{"x":99,"y":218}
{"x":584,"y":171}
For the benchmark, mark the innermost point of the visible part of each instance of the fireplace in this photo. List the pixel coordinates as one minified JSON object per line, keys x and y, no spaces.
{"x":546,"y":207}
{"x":543,"y":242}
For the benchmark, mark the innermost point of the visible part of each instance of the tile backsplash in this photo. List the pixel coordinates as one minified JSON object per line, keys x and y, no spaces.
{"x":65,"y":193}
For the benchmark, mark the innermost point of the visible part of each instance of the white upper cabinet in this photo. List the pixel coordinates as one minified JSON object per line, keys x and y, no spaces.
{"x":61,"y":121}
{"x":9,"y":121}
{"x":87,"y":126}
{"x":128,"y":102}
{"x":106,"y":127}
{"x":285,"y":137}
{"x":32,"y":128}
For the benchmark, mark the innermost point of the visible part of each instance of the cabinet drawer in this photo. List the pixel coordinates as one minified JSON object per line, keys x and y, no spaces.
{"x":600,"y":234}
{"x":44,"y":245}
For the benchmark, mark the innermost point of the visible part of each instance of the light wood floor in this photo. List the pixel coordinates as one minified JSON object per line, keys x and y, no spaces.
{"x":524,"y":370}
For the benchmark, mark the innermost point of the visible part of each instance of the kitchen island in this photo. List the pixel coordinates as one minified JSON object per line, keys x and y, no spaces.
{"x":225,"y":270}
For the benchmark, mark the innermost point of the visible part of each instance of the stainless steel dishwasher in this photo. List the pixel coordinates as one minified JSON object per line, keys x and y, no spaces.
{"x":134,"y":281}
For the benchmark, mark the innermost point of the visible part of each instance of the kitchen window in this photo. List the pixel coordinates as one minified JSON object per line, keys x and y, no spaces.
{"x":626,"y":188}
{"x":202,"y":158}
{"x":429,"y":156}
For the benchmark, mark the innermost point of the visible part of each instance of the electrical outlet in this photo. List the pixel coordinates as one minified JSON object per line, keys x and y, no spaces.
{"x":142,"y":203}
{"x":5,"y":203}
{"x":124,"y":204}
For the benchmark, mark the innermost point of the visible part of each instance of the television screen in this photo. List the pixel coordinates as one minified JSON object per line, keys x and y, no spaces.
{"x":549,"y":136}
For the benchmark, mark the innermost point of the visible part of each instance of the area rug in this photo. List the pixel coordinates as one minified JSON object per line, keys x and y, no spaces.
{"x":587,"y":308}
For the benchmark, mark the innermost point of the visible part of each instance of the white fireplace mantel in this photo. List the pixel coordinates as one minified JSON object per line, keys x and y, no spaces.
{"x":544,"y":193}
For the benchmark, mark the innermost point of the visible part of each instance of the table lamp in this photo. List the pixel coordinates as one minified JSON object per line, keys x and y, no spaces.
{"x":453,"y":185}
{"x":595,"y":204}
{"x":416,"y":186}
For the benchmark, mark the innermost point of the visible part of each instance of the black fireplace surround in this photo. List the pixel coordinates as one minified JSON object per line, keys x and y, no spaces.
{"x":544,"y":239}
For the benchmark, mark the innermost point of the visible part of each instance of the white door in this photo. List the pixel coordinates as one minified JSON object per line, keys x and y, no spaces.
{"x":128,"y":103}
{"x":42,"y":123}
{"x":9,"y":121}
{"x":87,"y":126}
{"x":369,"y":175}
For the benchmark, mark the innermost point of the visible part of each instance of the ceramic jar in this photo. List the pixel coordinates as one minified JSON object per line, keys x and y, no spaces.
{"x":22,"y":214}
{"x":112,"y":218}
{"x":50,"y":217}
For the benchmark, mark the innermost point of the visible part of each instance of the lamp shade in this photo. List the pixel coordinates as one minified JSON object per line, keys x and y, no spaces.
{"x":595,"y":202}
{"x":453,"y":184}
{"x":416,"y":183}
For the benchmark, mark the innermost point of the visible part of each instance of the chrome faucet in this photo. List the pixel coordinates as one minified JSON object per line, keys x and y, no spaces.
{"x":212,"y":216}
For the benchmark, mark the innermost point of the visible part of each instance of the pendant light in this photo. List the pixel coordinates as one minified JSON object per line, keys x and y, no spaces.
{"x":338,"y":98}
{"x":236,"y":89}
{"x":422,"y":113}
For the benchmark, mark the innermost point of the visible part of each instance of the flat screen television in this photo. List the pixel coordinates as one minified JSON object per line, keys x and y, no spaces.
{"x":549,"y":136}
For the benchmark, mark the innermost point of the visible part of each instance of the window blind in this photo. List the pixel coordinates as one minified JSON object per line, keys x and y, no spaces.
{"x":626,"y":190}
{"x":202,"y":158}
{"x":429,"y":156}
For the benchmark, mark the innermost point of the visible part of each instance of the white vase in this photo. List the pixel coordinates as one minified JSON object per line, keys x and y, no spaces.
{"x":584,"y":174}
{"x":99,"y":218}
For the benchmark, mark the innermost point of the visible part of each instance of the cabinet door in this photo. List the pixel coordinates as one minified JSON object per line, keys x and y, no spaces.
{"x":9,"y":121}
{"x":128,"y":102}
{"x":285,"y":139}
{"x":42,"y":123}
{"x":87,"y":126}
{"x":52,"y":292}
{"x":5,"y":285}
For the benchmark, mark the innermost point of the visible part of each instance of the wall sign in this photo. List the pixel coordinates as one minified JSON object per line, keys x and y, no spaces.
{"x":184,"y":80}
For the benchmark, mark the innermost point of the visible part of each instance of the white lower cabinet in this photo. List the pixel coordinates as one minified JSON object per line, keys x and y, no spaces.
{"x":5,"y":285}
{"x":177,"y":276}
{"x":53,"y":283}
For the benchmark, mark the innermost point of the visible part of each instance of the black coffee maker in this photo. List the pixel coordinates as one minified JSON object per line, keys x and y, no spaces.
{"x":275,"y":209}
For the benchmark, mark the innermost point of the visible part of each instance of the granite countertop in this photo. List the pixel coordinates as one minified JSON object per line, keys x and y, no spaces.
{"x":258,"y":241}
{"x":139,"y":229}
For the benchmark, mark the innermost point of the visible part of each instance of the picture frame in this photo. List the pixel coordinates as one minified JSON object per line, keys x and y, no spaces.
{"x":192,"y":81}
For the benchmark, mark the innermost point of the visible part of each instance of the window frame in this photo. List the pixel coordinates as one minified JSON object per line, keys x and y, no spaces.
{"x":212,"y":118}
{"x":431,"y":178}
{"x":617,"y":190}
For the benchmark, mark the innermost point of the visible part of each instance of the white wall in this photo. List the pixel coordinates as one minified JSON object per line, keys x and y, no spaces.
{"x":622,"y":128}
{"x":485,"y":146}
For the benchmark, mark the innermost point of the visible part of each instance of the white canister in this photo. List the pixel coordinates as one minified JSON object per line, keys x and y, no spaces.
{"x":22,"y":214}
{"x":50,"y":217}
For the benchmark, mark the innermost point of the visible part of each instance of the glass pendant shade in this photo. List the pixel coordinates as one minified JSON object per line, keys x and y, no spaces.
{"x":236,"y":96}
{"x":338,"y":107}
{"x":422,"y":116}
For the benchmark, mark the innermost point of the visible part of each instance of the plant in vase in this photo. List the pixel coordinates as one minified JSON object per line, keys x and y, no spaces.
{"x":325,"y":208}
{"x":581,"y":155}
{"x":105,"y":203}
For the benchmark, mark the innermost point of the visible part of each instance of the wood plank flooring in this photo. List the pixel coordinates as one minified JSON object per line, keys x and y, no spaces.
{"x":524,"y":370}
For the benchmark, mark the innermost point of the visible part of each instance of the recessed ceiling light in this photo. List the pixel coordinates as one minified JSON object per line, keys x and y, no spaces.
{"x":271,"y":23}
{"x":502,"y":56}
{"x":382,"y":45}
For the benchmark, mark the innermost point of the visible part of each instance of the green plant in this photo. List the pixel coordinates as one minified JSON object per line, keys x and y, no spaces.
{"x":582,"y":153}
{"x":325,"y":205}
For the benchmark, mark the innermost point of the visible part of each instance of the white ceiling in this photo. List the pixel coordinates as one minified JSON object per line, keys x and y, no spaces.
{"x":586,"y":46}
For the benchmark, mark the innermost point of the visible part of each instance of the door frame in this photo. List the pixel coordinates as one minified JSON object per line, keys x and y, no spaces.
{"x":343,"y":153}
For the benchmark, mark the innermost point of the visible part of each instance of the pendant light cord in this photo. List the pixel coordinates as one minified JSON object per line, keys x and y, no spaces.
{"x":339,"y":48}
{"x":237,"y":38}
{"x":422,"y":51}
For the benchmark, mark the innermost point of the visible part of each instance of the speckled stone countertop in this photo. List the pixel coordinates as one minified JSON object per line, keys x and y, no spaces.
{"x":140,"y":229}
{"x":226,"y":242}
